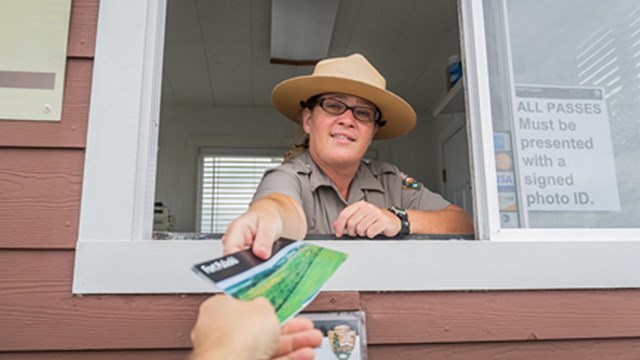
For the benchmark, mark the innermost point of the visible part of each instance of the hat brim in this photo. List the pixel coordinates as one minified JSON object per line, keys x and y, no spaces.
{"x":398,"y":114}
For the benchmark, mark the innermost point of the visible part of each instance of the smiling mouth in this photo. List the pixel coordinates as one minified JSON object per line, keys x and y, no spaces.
{"x":342,"y":137}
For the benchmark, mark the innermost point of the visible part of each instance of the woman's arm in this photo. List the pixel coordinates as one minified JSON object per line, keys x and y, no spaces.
{"x":450,"y":220}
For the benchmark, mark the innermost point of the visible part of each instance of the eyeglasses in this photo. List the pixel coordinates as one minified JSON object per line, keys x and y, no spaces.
{"x":364,"y":114}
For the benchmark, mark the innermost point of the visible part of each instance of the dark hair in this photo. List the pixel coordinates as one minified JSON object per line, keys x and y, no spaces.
{"x":311,"y":102}
{"x":297,"y":149}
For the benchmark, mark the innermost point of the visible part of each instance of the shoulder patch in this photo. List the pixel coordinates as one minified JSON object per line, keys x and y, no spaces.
{"x":409,"y":183}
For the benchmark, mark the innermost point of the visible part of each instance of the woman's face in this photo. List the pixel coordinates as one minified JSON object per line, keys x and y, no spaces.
{"x":338,"y":140}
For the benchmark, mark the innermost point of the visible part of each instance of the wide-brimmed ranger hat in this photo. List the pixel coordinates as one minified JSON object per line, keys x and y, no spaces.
{"x":352,"y":75}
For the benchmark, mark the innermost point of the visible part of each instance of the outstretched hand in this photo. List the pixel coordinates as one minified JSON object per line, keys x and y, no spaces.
{"x":254,"y":229}
{"x":297,"y":341}
{"x":228,"y":328}
{"x":268,"y":219}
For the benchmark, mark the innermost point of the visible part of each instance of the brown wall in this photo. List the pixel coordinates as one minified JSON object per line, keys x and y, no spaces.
{"x":40,"y":187}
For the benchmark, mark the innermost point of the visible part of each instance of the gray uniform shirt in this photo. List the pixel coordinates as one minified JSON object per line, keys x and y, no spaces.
{"x":376,"y":182}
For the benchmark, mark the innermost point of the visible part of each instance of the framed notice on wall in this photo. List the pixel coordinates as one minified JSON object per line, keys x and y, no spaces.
{"x":33,"y":47}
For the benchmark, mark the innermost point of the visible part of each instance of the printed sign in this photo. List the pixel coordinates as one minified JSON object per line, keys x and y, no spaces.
{"x":33,"y":52}
{"x":564,"y":146}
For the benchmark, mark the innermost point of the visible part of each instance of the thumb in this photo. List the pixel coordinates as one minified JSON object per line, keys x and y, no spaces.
{"x":262,"y":246}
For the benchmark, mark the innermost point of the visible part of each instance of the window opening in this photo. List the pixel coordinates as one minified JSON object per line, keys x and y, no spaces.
{"x":217,"y":80}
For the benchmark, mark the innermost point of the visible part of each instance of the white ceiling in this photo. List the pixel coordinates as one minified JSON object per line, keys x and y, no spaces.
{"x":217,"y":51}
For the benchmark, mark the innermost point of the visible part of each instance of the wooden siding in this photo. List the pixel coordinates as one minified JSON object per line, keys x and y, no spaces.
{"x":40,"y":197}
{"x":181,"y":354}
{"x":623,"y":349}
{"x":448,"y":317}
{"x":619,"y":349}
{"x":82,"y":29}
{"x":40,"y":185}
{"x":39,"y":313}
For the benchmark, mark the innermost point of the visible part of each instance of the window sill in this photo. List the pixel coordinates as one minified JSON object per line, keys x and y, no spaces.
{"x":152,"y":267}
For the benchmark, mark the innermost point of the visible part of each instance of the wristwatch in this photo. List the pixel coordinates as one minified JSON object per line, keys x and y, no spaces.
{"x":404,"y":220}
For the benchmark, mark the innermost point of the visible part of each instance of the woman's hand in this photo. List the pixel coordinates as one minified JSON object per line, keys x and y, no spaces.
{"x":366,"y":220}
{"x":268,"y":219}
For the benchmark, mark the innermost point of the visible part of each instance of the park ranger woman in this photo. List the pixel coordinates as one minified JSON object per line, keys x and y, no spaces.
{"x":328,"y":188}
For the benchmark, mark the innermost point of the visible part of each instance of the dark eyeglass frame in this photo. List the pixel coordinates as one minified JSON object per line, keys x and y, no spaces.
{"x":317,"y":100}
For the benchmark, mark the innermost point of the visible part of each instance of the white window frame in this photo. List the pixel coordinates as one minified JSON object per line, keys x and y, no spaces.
{"x":114,"y":253}
{"x":484,"y":130}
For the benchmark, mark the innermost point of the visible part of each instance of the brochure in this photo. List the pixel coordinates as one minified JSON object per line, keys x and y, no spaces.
{"x":290,"y":279}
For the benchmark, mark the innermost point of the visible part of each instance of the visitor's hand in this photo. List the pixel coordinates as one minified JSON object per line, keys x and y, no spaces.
{"x":298,"y":340}
{"x":228,"y":328}
{"x":366,"y":220}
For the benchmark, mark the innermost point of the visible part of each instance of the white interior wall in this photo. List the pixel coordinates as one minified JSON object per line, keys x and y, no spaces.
{"x":183,"y":129}
{"x":443,"y":127}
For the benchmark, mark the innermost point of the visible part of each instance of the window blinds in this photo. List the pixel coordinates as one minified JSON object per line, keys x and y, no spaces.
{"x":228,"y":185}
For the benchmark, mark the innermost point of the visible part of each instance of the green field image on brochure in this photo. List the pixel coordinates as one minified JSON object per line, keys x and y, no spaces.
{"x":290,"y":279}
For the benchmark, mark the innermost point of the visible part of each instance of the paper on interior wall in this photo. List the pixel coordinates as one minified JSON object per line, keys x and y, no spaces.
{"x":33,"y":51}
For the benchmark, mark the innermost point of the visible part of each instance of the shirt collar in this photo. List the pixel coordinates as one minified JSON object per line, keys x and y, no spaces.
{"x":364,"y":180}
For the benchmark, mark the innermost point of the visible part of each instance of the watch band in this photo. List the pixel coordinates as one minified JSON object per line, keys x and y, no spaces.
{"x":404,"y":220}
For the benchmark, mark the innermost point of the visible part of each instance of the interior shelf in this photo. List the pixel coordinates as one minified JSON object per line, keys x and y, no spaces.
{"x":451,"y":102}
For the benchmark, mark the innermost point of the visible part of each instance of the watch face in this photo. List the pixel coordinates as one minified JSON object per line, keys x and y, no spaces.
{"x":399,"y":212}
{"x":404,"y":220}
